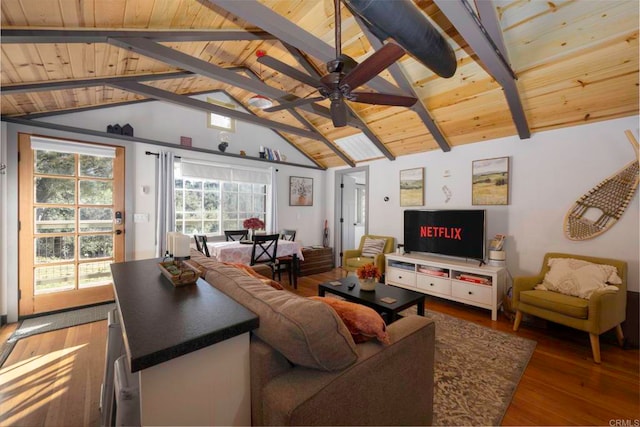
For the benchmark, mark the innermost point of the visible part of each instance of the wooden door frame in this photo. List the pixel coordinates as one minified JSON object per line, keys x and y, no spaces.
{"x":50,"y":302}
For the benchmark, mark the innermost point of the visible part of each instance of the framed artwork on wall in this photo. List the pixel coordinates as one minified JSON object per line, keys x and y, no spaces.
{"x":490,"y":181}
{"x":300,"y":191}
{"x":412,"y":187}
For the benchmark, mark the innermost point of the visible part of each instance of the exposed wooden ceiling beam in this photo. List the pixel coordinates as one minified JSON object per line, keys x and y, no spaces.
{"x":286,"y":31}
{"x":464,"y":19}
{"x":187,"y":62}
{"x":163,"y":95}
{"x":101,"y":36}
{"x":396,"y":72}
{"x":308,"y":66}
{"x":100,"y":81}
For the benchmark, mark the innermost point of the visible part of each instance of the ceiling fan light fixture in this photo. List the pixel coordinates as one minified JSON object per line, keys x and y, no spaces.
{"x":261,"y":102}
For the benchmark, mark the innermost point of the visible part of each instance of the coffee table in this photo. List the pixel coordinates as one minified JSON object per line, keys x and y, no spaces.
{"x":404,"y":297}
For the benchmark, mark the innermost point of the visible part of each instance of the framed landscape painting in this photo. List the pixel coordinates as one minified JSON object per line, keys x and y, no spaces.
{"x":300,"y":191}
{"x":412,"y":187}
{"x":490,"y":182}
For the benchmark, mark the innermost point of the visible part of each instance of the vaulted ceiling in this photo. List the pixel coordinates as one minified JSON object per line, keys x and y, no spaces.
{"x":568,"y":63}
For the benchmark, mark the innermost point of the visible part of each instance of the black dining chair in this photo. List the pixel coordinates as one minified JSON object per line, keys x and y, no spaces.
{"x":286,"y":234}
{"x":233,"y":235}
{"x":287,"y":262}
{"x":201,"y":244}
{"x":264,"y":250}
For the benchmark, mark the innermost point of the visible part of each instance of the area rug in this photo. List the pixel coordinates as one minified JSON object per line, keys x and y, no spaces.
{"x":477,"y":371}
{"x":52,"y":322}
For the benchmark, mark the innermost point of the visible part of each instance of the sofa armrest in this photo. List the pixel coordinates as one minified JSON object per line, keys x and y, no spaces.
{"x":524,"y":283}
{"x":607,"y":308}
{"x":388,"y":385}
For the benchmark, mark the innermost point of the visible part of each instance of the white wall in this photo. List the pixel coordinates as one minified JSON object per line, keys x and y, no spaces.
{"x":548,"y":173}
{"x":165,"y":122}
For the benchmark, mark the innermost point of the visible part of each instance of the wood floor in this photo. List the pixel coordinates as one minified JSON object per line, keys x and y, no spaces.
{"x":53,"y":379}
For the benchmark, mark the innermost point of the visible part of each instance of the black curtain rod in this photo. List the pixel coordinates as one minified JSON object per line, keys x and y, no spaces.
{"x":149,"y":153}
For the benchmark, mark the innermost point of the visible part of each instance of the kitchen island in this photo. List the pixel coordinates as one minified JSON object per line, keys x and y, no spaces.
{"x":190,"y":345}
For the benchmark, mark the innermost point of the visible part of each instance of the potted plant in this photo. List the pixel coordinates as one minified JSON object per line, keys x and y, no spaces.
{"x":368,"y":275}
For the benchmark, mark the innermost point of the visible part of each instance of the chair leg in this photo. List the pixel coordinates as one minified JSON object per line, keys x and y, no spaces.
{"x":620,"y":335}
{"x":516,"y":323}
{"x":595,"y":347}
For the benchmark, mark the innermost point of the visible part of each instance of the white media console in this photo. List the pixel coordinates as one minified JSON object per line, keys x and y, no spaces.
{"x":462,"y":281}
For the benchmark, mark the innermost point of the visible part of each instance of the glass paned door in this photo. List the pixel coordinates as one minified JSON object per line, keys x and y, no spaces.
{"x":68,"y":236}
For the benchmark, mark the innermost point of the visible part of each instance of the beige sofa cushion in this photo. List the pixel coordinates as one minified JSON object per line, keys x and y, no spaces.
{"x":308,"y":333}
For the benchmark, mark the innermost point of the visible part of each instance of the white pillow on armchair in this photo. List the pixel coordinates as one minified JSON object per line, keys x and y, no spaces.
{"x":579,"y":278}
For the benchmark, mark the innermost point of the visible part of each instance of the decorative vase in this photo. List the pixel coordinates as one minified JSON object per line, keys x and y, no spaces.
{"x":368,"y":284}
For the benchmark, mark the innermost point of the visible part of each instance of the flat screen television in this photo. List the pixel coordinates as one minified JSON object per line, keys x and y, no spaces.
{"x":457,"y":233}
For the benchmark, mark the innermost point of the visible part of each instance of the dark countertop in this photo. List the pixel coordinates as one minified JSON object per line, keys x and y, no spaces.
{"x":161,"y":322}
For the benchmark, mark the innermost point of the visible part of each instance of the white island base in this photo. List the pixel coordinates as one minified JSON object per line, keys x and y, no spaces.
{"x":210,"y":386}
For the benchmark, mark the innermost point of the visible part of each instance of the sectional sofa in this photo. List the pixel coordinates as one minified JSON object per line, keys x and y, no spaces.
{"x":306,"y":368}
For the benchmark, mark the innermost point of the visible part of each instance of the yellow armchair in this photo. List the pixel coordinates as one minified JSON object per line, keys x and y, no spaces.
{"x":352,"y":258}
{"x":606,"y":309}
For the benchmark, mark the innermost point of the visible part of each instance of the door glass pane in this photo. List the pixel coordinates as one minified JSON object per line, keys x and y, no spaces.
{"x":98,"y":246}
{"x":55,"y":220}
{"x":55,"y":190}
{"x":96,"y":167}
{"x":54,"y":249}
{"x":94,"y":274}
{"x":96,"y":192}
{"x":54,"y":278}
{"x":96,"y":219}
{"x":52,"y":163}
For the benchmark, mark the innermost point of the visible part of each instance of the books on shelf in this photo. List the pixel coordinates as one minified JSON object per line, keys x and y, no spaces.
{"x":433,"y":271}
{"x":474,"y":279}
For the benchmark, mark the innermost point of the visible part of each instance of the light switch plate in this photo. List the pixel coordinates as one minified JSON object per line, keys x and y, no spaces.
{"x":141,"y":217}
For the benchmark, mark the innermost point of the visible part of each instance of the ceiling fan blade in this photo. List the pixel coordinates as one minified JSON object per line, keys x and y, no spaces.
{"x":383,"y":99}
{"x":296,"y":103}
{"x":339,"y":113}
{"x":289,"y":71}
{"x":370,"y":67}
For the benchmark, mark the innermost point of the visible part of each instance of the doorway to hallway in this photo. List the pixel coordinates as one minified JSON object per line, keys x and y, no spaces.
{"x":352,"y":208}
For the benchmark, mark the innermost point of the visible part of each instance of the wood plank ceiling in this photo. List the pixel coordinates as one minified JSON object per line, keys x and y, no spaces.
{"x":575,"y":61}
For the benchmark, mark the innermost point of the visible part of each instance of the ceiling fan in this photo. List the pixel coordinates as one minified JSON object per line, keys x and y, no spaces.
{"x":344,"y":75}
